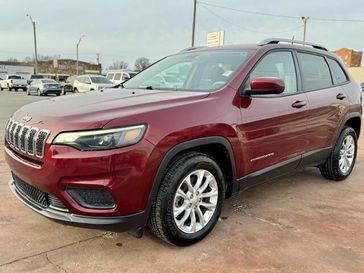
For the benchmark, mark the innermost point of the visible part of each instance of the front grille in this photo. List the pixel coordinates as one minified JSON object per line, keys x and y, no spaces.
{"x":29,"y":140}
{"x":37,"y":196}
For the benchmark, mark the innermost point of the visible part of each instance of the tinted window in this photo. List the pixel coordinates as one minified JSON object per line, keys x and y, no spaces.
{"x":110,"y":76}
{"x":117,"y":77}
{"x":315,"y":71}
{"x":280,"y":65}
{"x":14,"y":77}
{"x":338,"y":73}
{"x":98,"y":79}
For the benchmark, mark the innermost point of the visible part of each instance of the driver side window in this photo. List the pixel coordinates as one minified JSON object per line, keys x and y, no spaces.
{"x":280,"y":65}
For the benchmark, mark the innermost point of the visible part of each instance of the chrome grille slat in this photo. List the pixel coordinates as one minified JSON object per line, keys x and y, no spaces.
{"x":27,"y":139}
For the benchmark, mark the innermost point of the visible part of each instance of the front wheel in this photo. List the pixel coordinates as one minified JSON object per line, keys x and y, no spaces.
{"x":342,"y":159}
{"x":189,"y":200}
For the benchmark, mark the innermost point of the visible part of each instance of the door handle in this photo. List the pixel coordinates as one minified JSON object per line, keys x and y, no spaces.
{"x":340,"y":96}
{"x":299,"y":104}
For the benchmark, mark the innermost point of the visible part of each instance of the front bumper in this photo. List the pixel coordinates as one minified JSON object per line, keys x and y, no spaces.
{"x":128,"y":222}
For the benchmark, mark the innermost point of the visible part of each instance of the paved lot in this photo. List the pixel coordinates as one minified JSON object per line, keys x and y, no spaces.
{"x":298,"y":223}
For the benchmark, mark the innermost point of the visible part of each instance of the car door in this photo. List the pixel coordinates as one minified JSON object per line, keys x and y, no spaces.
{"x":327,"y":98}
{"x":31,"y":87}
{"x":273,"y":129}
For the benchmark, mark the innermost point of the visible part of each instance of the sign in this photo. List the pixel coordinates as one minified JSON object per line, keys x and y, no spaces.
{"x":215,"y":38}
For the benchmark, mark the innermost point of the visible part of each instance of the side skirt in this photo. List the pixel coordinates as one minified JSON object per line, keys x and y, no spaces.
{"x":313,"y":158}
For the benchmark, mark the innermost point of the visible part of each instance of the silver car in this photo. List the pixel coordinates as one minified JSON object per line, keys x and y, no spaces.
{"x":44,"y":87}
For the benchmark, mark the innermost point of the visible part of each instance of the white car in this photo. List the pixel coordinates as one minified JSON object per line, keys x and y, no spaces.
{"x":86,"y":83}
{"x":120,"y":76}
{"x":13,"y":82}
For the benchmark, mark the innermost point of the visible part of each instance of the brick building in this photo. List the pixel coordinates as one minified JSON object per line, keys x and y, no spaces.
{"x":62,"y":68}
{"x":350,"y":57}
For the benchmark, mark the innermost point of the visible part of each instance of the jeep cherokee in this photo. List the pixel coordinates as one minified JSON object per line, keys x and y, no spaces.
{"x":167,"y":153}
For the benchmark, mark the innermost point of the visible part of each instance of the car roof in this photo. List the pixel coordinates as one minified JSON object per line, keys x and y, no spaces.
{"x":265,"y":47}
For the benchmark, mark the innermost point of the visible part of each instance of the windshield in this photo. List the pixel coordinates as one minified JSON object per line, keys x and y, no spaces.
{"x":48,"y":81}
{"x":100,"y":80}
{"x":14,"y":77}
{"x":37,"y":77}
{"x":193,"y":71}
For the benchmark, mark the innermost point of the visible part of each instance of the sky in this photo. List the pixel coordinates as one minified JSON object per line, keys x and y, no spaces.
{"x":125,"y":30}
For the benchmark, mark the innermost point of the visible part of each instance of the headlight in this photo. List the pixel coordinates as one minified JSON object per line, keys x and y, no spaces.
{"x":102,"y":139}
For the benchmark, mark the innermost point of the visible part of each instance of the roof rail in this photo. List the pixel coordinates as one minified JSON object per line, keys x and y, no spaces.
{"x":191,"y":48}
{"x":291,"y":41}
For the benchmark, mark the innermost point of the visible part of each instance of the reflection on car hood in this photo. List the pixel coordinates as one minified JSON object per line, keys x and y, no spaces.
{"x":94,"y":109}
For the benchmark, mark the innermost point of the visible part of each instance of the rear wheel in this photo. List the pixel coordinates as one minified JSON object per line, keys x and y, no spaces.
{"x":75,"y":90}
{"x":342,"y":159}
{"x":189,"y":200}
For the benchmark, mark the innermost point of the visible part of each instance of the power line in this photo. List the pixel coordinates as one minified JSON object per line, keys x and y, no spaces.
{"x":247,"y":29}
{"x":279,"y":15}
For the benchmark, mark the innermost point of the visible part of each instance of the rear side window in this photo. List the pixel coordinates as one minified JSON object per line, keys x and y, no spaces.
{"x":315,"y":72}
{"x":110,"y":76}
{"x":338,"y":73}
{"x":117,"y":77}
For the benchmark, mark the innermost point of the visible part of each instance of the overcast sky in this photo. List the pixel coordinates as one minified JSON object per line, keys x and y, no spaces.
{"x":126,"y":30}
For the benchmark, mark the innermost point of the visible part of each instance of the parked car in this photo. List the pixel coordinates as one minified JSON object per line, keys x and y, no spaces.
{"x":167,"y":158}
{"x":120,"y":76}
{"x":68,"y":85}
{"x":13,"y":82}
{"x":44,"y":87}
{"x":35,"y":77}
{"x":91,"y":83}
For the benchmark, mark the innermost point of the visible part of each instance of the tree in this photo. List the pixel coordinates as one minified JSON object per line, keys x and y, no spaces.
{"x":12,"y":60}
{"x":41,"y":58}
{"x":141,"y":63}
{"x":119,"y":65}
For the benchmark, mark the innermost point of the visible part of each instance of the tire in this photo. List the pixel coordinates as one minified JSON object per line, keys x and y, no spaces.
{"x":58,"y":94}
{"x":336,"y":168}
{"x":163,"y":220}
{"x":75,"y":90}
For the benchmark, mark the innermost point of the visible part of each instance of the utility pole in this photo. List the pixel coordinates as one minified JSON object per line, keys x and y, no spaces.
{"x":304,"y":19}
{"x":35,"y":45}
{"x":194,"y":22}
{"x":79,"y":41}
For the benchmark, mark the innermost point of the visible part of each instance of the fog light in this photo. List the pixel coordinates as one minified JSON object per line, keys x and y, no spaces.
{"x":92,"y":197}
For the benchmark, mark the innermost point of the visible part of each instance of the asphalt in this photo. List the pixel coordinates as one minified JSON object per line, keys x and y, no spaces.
{"x":298,"y":223}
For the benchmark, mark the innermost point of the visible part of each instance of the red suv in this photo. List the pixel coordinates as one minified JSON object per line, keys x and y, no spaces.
{"x":196,"y":127}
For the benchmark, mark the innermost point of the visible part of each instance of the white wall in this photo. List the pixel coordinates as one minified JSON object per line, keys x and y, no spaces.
{"x":20,"y":70}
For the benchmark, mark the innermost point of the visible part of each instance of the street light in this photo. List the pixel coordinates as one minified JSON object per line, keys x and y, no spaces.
{"x":35,"y":45}
{"x":304,"y":19}
{"x":79,"y":41}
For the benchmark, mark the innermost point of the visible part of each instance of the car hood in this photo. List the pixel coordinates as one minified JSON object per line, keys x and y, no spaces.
{"x":95,"y":109}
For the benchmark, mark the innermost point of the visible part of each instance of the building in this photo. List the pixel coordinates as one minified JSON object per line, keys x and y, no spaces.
{"x":60,"y":69}
{"x":16,"y":68}
{"x":357,"y":73}
{"x":350,"y":57}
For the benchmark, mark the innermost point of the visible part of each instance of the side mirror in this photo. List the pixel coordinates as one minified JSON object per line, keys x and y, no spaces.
{"x":265,"y":86}
{"x":87,"y":82}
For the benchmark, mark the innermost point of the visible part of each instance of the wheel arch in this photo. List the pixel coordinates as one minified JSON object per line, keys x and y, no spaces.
{"x":222,"y":147}
{"x":355,"y":123}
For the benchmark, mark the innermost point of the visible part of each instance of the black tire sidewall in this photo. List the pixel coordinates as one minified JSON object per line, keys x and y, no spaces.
{"x":174,"y":234}
{"x":336,"y":153}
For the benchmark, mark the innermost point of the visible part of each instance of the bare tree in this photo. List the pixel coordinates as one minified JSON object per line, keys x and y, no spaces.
{"x":119,"y":65}
{"x":141,"y":63}
{"x":12,"y":60}
{"x":41,"y":58}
